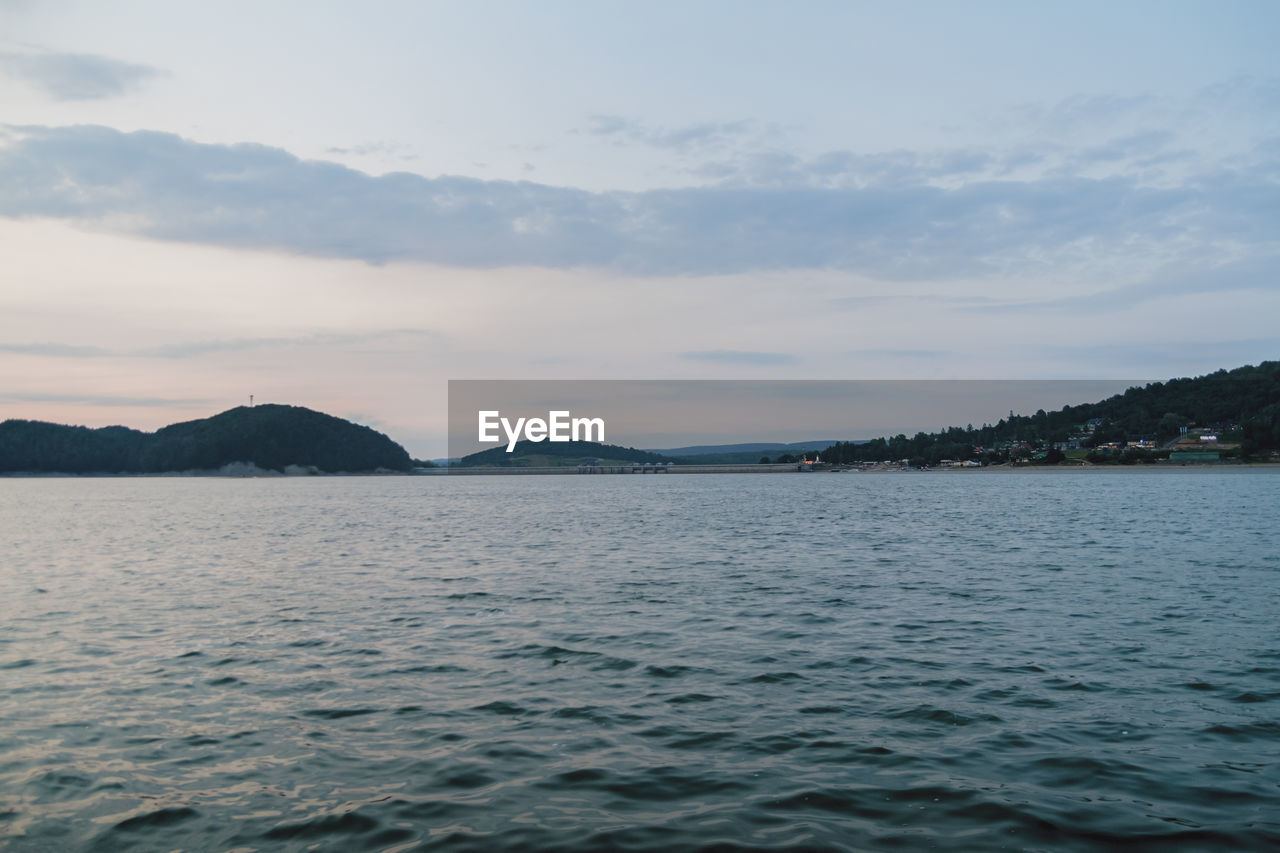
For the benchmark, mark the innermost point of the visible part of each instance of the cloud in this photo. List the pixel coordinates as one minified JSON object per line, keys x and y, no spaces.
{"x":77,"y":76}
{"x":100,"y":399}
{"x":610,"y":125}
{"x":56,"y":350}
{"x":1169,"y":359}
{"x":624,"y":131}
{"x":380,"y":148}
{"x":195,"y":349}
{"x":1077,"y":111}
{"x":848,"y":169}
{"x":1134,"y":154}
{"x":327,"y":340}
{"x":903,"y":225}
{"x":742,"y":357}
{"x":1143,"y":144}
{"x":874,"y":352}
{"x":1258,"y":273}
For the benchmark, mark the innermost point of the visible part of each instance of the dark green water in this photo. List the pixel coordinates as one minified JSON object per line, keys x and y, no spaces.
{"x":967,"y":661}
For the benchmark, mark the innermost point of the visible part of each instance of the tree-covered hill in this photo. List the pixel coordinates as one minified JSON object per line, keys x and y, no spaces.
{"x":269,"y":436}
{"x":559,"y":453}
{"x":1244,"y":402}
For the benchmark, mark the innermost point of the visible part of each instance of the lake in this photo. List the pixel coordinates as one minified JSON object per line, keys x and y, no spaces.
{"x":954,"y":660}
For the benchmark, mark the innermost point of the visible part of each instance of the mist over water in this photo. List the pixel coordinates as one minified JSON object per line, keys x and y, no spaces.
{"x":1026,"y":660}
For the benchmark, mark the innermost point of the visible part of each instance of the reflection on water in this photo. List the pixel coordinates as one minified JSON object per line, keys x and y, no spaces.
{"x":967,"y":660}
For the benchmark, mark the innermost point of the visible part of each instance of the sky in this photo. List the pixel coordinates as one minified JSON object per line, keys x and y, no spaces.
{"x":344,"y":206}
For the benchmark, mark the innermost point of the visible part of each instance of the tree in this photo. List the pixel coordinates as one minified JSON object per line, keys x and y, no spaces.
{"x":1170,"y":425}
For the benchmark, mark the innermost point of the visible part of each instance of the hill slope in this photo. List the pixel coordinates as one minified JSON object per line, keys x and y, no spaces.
{"x":529,"y":453}
{"x":269,"y":436}
{"x":1243,"y":402}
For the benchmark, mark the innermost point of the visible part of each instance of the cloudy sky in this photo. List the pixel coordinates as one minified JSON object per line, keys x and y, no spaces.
{"x":342,"y":206}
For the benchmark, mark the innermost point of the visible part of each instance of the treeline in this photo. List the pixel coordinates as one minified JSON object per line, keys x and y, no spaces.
{"x":788,"y":458}
{"x":560,"y":450}
{"x":1246,"y":399}
{"x":269,"y":436}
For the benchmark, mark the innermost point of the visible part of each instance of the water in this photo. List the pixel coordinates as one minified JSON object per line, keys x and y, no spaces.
{"x":1064,"y":660}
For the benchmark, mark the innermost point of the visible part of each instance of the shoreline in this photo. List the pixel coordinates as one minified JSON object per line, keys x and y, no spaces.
{"x":675,"y":469}
{"x":790,"y":469}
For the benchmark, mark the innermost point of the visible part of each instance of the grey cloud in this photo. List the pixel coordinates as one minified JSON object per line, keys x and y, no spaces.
{"x":101,"y":399}
{"x":53,"y":349}
{"x":1250,"y":274}
{"x":1147,"y":153}
{"x":383,"y":149}
{"x":77,"y":76}
{"x":194,"y":349}
{"x":951,"y":299}
{"x":162,"y":186}
{"x":900,"y":353}
{"x":191,"y":349}
{"x":1193,"y":356}
{"x":861,"y":301}
{"x":610,"y":125}
{"x":1144,"y":144}
{"x":1021,"y":158}
{"x":744,"y":357}
{"x":715,"y":171}
{"x":622,"y":130}
{"x":962,"y":163}
{"x":834,"y":163}
{"x":700,"y":134}
{"x":1245,"y":91}
{"x":1077,"y":111}
{"x":846,"y":169}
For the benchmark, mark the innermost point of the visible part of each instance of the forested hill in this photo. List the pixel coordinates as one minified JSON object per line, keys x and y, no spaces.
{"x":1243,"y":404}
{"x":558,"y":453}
{"x":269,"y":436}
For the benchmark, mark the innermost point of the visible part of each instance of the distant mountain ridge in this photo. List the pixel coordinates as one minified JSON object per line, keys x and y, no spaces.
{"x":541,"y":453}
{"x":270,"y":436}
{"x":747,"y":453}
{"x":749,"y":447}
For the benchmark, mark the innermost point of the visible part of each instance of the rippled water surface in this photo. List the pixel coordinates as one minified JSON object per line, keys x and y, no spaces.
{"x":1060,"y":660}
